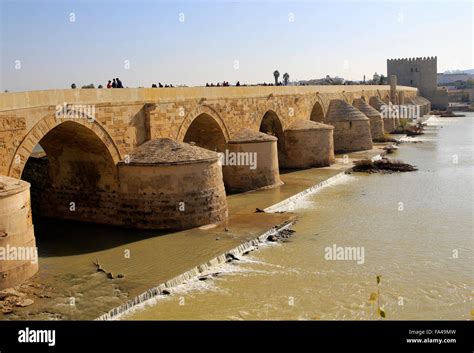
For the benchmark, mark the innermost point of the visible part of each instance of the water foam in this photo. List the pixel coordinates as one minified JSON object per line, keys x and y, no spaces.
{"x":299,"y":200}
{"x":187,"y":281}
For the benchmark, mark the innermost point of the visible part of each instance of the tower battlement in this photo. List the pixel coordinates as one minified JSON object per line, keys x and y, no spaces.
{"x":424,"y":59}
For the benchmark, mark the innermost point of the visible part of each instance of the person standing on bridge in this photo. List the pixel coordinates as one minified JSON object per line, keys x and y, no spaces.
{"x":114,"y":84}
{"x":109,"y":84}
{"x":119,"y":83}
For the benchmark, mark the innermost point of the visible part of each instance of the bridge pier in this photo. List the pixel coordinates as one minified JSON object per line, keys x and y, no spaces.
{"x":308,"y":144}
{"x":251,"y":161}
{"x":18,"y":254}
{"x":351,"y":127}
{"x":376,"y":121}
{"x":162,"y":184}
{"x":171,"y":185}
{"x":389,"y":123}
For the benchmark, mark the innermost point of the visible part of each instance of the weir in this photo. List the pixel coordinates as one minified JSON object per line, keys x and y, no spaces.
{"x":146,"y":158}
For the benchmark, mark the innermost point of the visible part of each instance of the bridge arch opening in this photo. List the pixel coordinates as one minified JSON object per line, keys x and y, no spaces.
{"x":271,"y":125}
{"x":71,"y":173}
{"x":205,"y":132}
{"x":317,"y":113}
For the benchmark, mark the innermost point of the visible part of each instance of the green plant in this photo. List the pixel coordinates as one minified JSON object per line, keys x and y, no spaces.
{"x":404,"y":123}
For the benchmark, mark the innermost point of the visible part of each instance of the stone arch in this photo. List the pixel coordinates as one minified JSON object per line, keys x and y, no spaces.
{"x":317,"y":110}
{"x":271,"y":124}
{"x":205,"y":128}
{"x":49,"y":123}
{"x":200,"y":111}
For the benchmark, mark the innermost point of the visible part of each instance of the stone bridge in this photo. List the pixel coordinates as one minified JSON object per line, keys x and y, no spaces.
{"x":118,"y":156}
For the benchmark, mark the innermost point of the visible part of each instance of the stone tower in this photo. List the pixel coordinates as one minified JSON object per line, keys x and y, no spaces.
{"x":420,"y":73}
{"x":415,"y":72}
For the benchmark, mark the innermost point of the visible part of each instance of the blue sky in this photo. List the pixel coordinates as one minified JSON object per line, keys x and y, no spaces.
{"x":307,"y":39}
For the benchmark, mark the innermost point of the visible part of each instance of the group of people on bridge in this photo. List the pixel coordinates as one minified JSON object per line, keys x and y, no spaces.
{"x":161,"y":86}
{"x":223,"y":84}
{"x":115,"y":83}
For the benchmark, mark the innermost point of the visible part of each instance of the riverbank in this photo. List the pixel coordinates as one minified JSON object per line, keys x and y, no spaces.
{"x":68,"y":285}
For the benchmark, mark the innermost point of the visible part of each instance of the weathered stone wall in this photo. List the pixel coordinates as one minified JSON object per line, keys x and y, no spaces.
{"x":241,"y":178}
{"x":59,"y":200}
{"x":16,"y":233}
{"x":126,"y":118}
{"x":173,"y":196}
{"x":308,"y":144}
{"x":352,"y":136}
{"x":149,"y":197}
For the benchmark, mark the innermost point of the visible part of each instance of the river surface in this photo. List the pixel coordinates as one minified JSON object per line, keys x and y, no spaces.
{"x":415,"y":229}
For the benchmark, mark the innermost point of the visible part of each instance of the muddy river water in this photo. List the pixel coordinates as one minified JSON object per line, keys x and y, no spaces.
{"x":415,"y":230}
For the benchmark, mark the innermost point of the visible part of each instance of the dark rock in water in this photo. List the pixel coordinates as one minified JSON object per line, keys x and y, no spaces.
{"x":204,"y":278}
{"x":231,"y":257}
{"x":282,"y":235}
{"x":390,"y":149}
{"x":165,"y":292}
{"x":257,"y":210}
{"x":120,"y":275}
{"x":383,"y":165}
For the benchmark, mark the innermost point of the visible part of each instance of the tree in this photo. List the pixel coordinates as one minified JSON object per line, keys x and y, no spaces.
{"x":90,"y":85}
{"x":286,"y":78}
{"x":100,"y":86}
{"x":382,"y":79}
{"x":276,"y":74}
{"x":73,"y":86}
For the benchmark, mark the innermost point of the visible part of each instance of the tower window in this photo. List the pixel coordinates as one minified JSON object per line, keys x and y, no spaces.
{"x":411,"y":82}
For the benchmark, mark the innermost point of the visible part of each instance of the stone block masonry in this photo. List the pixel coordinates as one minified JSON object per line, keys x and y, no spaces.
{"x":146,"y":158}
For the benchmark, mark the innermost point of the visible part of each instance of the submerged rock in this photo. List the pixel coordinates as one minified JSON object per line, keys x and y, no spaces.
{"x":25,"y":302}
{"x":231,"y":257}
{"x":282,"y":235}
{"x":390,"y":149}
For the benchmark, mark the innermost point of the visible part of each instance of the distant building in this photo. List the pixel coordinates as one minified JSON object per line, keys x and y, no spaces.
{"x":376,"y":78}
{"x":328,"y":80}
{"x":446,"y":78}
{"x":422,"y":74}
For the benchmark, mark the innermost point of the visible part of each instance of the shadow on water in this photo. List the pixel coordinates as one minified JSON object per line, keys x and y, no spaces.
{"x":288,"y":171}
{"x":56,"y":237}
